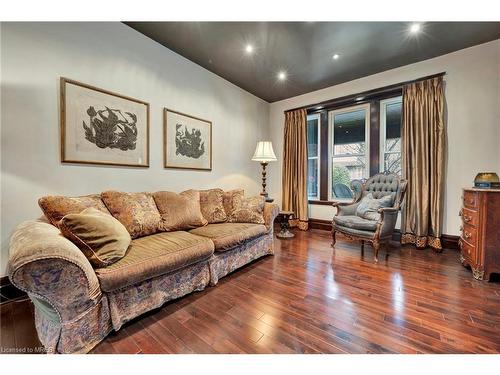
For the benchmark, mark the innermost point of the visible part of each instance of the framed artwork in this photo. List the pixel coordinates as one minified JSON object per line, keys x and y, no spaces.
{"x":102,"y":127}
{"x":187,"y":141}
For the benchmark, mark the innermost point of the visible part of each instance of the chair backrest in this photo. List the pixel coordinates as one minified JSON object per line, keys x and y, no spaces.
{"x":342,"y":191}
{"x":383,"y":184}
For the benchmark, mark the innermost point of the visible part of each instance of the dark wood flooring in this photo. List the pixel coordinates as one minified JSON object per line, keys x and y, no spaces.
{"x":309,"y":299}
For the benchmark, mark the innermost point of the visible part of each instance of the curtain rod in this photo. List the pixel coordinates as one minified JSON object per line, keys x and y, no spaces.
{"x":380,"y":90}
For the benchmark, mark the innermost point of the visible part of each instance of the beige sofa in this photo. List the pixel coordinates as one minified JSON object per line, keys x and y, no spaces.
{"x":76,"y":306}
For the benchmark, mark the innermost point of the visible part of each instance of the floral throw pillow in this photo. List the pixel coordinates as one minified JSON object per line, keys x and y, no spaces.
{"x":136,"y":211}
{"x":55,"y":207}
{"x":211,"y":205}
{"x":228,"y":199}
{"x":248,"y":210}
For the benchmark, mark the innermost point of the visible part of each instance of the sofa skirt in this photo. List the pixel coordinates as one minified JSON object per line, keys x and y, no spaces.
{"x":224,"y":262}
{"x":132,"y":301}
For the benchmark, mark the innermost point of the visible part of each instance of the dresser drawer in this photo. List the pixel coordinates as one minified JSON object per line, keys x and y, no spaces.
{"x":469,"y":216}
{"x":468,"y":250}
{"x":471,"y":199}
{"x":469,"y":234}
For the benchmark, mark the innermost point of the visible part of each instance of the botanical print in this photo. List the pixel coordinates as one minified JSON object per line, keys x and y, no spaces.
{"x":111,"y":128}
{"x":187,"y":141}
{"x":101,"y":127}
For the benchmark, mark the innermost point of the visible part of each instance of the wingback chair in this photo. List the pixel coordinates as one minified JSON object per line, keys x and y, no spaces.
{"x":381,"y":226}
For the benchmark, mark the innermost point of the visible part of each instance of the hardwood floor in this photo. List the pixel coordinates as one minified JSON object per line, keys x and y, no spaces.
{"x":309,"y":299}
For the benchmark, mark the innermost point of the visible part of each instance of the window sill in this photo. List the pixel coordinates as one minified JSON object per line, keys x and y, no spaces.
{"x":320,"y":202}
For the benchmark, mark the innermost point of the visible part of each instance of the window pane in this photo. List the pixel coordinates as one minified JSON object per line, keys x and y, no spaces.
{"x":312,"y":180}
{"x":349,"y":132}
{"x":392,"y":136}
{"x":312,"y":136}
{"x":344,"y":170}
{"x":392,"y":163}
{"x":393,"y":120}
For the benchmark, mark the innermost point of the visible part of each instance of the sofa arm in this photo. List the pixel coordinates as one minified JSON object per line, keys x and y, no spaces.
{"x":271,"y":210}
{"x":48,"y":266}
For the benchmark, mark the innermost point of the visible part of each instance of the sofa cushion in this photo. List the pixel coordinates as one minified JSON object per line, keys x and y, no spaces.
{"x":355,"y":222}
{"x":211,"y":205}
{"x":248,"y":210}
{"x":102,"y":238}
{"x":179,"y":211}
{"x":136,"y":211}
{"x":55,"y":207}
{"x":228,"y":235}
{"x":368,"y":206}
{"x":228,"y":199}
{"x":155,"y":255}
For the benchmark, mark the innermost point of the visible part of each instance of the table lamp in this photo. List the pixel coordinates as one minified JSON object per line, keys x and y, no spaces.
{"x":264,"y":153}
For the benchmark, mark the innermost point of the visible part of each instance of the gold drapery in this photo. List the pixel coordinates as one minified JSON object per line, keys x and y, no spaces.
{"x":424,"y":153}
{"x":295,"y":167}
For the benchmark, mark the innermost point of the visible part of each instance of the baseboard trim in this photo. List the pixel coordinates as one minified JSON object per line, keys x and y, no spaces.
{"x":447,"y":240}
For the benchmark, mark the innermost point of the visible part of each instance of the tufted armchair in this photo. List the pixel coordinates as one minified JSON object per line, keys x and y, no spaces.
{"x":376,"y":231}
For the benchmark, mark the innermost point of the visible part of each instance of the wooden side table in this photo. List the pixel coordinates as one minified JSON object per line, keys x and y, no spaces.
{"x":285,"y":232}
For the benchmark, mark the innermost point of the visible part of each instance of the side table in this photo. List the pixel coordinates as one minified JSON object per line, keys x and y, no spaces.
{"x":283,"y":217}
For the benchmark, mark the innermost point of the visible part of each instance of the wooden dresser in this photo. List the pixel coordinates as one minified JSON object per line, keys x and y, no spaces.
{"x":480,"y":238}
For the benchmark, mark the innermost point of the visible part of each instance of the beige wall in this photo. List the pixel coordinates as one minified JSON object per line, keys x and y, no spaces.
{"x":115,"y":57}
{"x":473,"y":111}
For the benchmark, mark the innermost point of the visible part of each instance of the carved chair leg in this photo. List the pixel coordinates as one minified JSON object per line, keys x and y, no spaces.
{"x":376,"y":247}
{"x":333,"y":237}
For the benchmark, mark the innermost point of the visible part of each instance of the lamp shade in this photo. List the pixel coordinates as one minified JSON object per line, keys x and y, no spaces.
{"x":264,"y":152}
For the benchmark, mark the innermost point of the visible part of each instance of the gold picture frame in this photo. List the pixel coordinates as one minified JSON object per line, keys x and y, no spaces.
{"x":187,"y":141}
{"x":83,"y":136}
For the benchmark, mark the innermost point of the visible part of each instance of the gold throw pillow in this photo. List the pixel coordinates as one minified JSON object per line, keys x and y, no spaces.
{"x":102,"y":238}
{"x":55,"y":207}
{"x":248,"y":210}
{"x":136,"y":211}
{"x":179,"y":211}
{"x":211,"y":205}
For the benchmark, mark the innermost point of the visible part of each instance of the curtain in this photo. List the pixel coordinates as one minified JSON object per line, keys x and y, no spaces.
{"x":424,"y":152}
{"x":295,"y":167}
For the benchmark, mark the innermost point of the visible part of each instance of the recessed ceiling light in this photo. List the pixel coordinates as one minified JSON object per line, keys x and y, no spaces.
{"x":319,"y":107}
{"x":359,"y":98}
{"x":336,"y":56}
{"x":282,"y":75}
{"x":415,"y":28}
{"x":248,"y":48}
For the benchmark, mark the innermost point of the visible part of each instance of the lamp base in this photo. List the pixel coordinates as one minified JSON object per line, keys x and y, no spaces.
{"x":266,"y":197}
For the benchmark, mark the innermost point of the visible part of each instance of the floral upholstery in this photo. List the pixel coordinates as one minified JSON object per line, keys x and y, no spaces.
{"x":248,"y":210}
{"x":228,"y":199}
{"x":228,"y":235}
{"x":136,"y":211}
{"x":129,"y":302}
{"x":55,"y":207}
{"x":154,"y":255}
{"x":212,"y":207}
{"x":73,"y":313}
{"x":225,"y":262}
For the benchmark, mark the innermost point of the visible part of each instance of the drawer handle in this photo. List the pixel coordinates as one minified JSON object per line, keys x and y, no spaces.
{"x":467,"y":218}
{"x":467,"y":235}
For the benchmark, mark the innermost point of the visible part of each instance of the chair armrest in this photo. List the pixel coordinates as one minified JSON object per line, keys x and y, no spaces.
{"x":346,"y":208}
{"x":271,"y":210}
{"x":48,"y":266}
{"x":388,"y":218}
